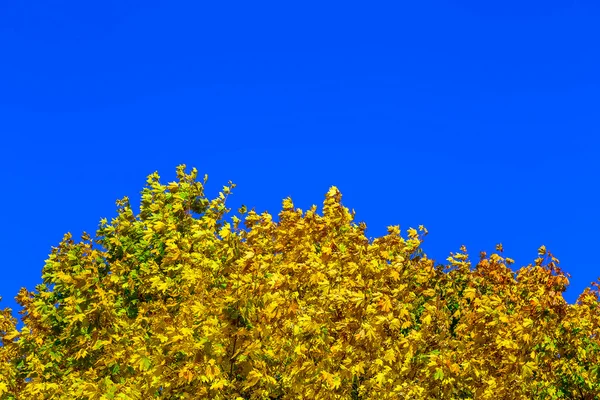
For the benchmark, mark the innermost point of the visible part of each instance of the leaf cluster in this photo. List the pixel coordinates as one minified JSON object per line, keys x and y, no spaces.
{"x":178,"y":302}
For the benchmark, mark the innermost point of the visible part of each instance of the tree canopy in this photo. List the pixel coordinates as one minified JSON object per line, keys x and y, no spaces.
{"x":181,"y":301}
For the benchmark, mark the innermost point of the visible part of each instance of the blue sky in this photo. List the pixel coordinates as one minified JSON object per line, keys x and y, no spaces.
{"x":477,"y":119}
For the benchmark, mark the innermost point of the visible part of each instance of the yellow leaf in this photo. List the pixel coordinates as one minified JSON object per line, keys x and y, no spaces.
{"x":358,"y":369}
{"x":455,"y":368}
{"x":159,"y":226}
{"x":253,"y":377}
{"x":542,"y":250}
{"x":380,"y":378}
{"x":412,"y":233}
{"x":299,"y":349}
{"x":389,"y":356}
{"x":336,"y":381}
{"x":218,"y":384}
{"x":287,"y":204}
{"x":187,"y":331}
{"x":528,"y":368}
{"x":225,"y":231}
{"x":469,"y":293}
{"x":12,"y":335}
{"x":385,"y":304}
{"x":80,"y":354}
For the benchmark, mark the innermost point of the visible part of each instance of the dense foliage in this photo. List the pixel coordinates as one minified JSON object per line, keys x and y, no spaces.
{"x":179,"y":302}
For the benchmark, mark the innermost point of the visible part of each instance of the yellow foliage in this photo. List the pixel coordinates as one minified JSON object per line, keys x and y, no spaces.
{"x":179,"y":303}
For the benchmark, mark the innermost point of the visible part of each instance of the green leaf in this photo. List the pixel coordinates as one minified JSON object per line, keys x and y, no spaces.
{"x":146,"y":363}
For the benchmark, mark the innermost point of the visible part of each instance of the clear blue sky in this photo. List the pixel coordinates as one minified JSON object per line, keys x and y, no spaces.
{"x":479,"y":120}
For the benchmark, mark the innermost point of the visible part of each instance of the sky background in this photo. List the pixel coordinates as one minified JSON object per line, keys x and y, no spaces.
{"x":479,"y":120}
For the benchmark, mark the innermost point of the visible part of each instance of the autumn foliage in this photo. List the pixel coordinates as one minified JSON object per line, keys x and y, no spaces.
{"x":183,"y":302}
